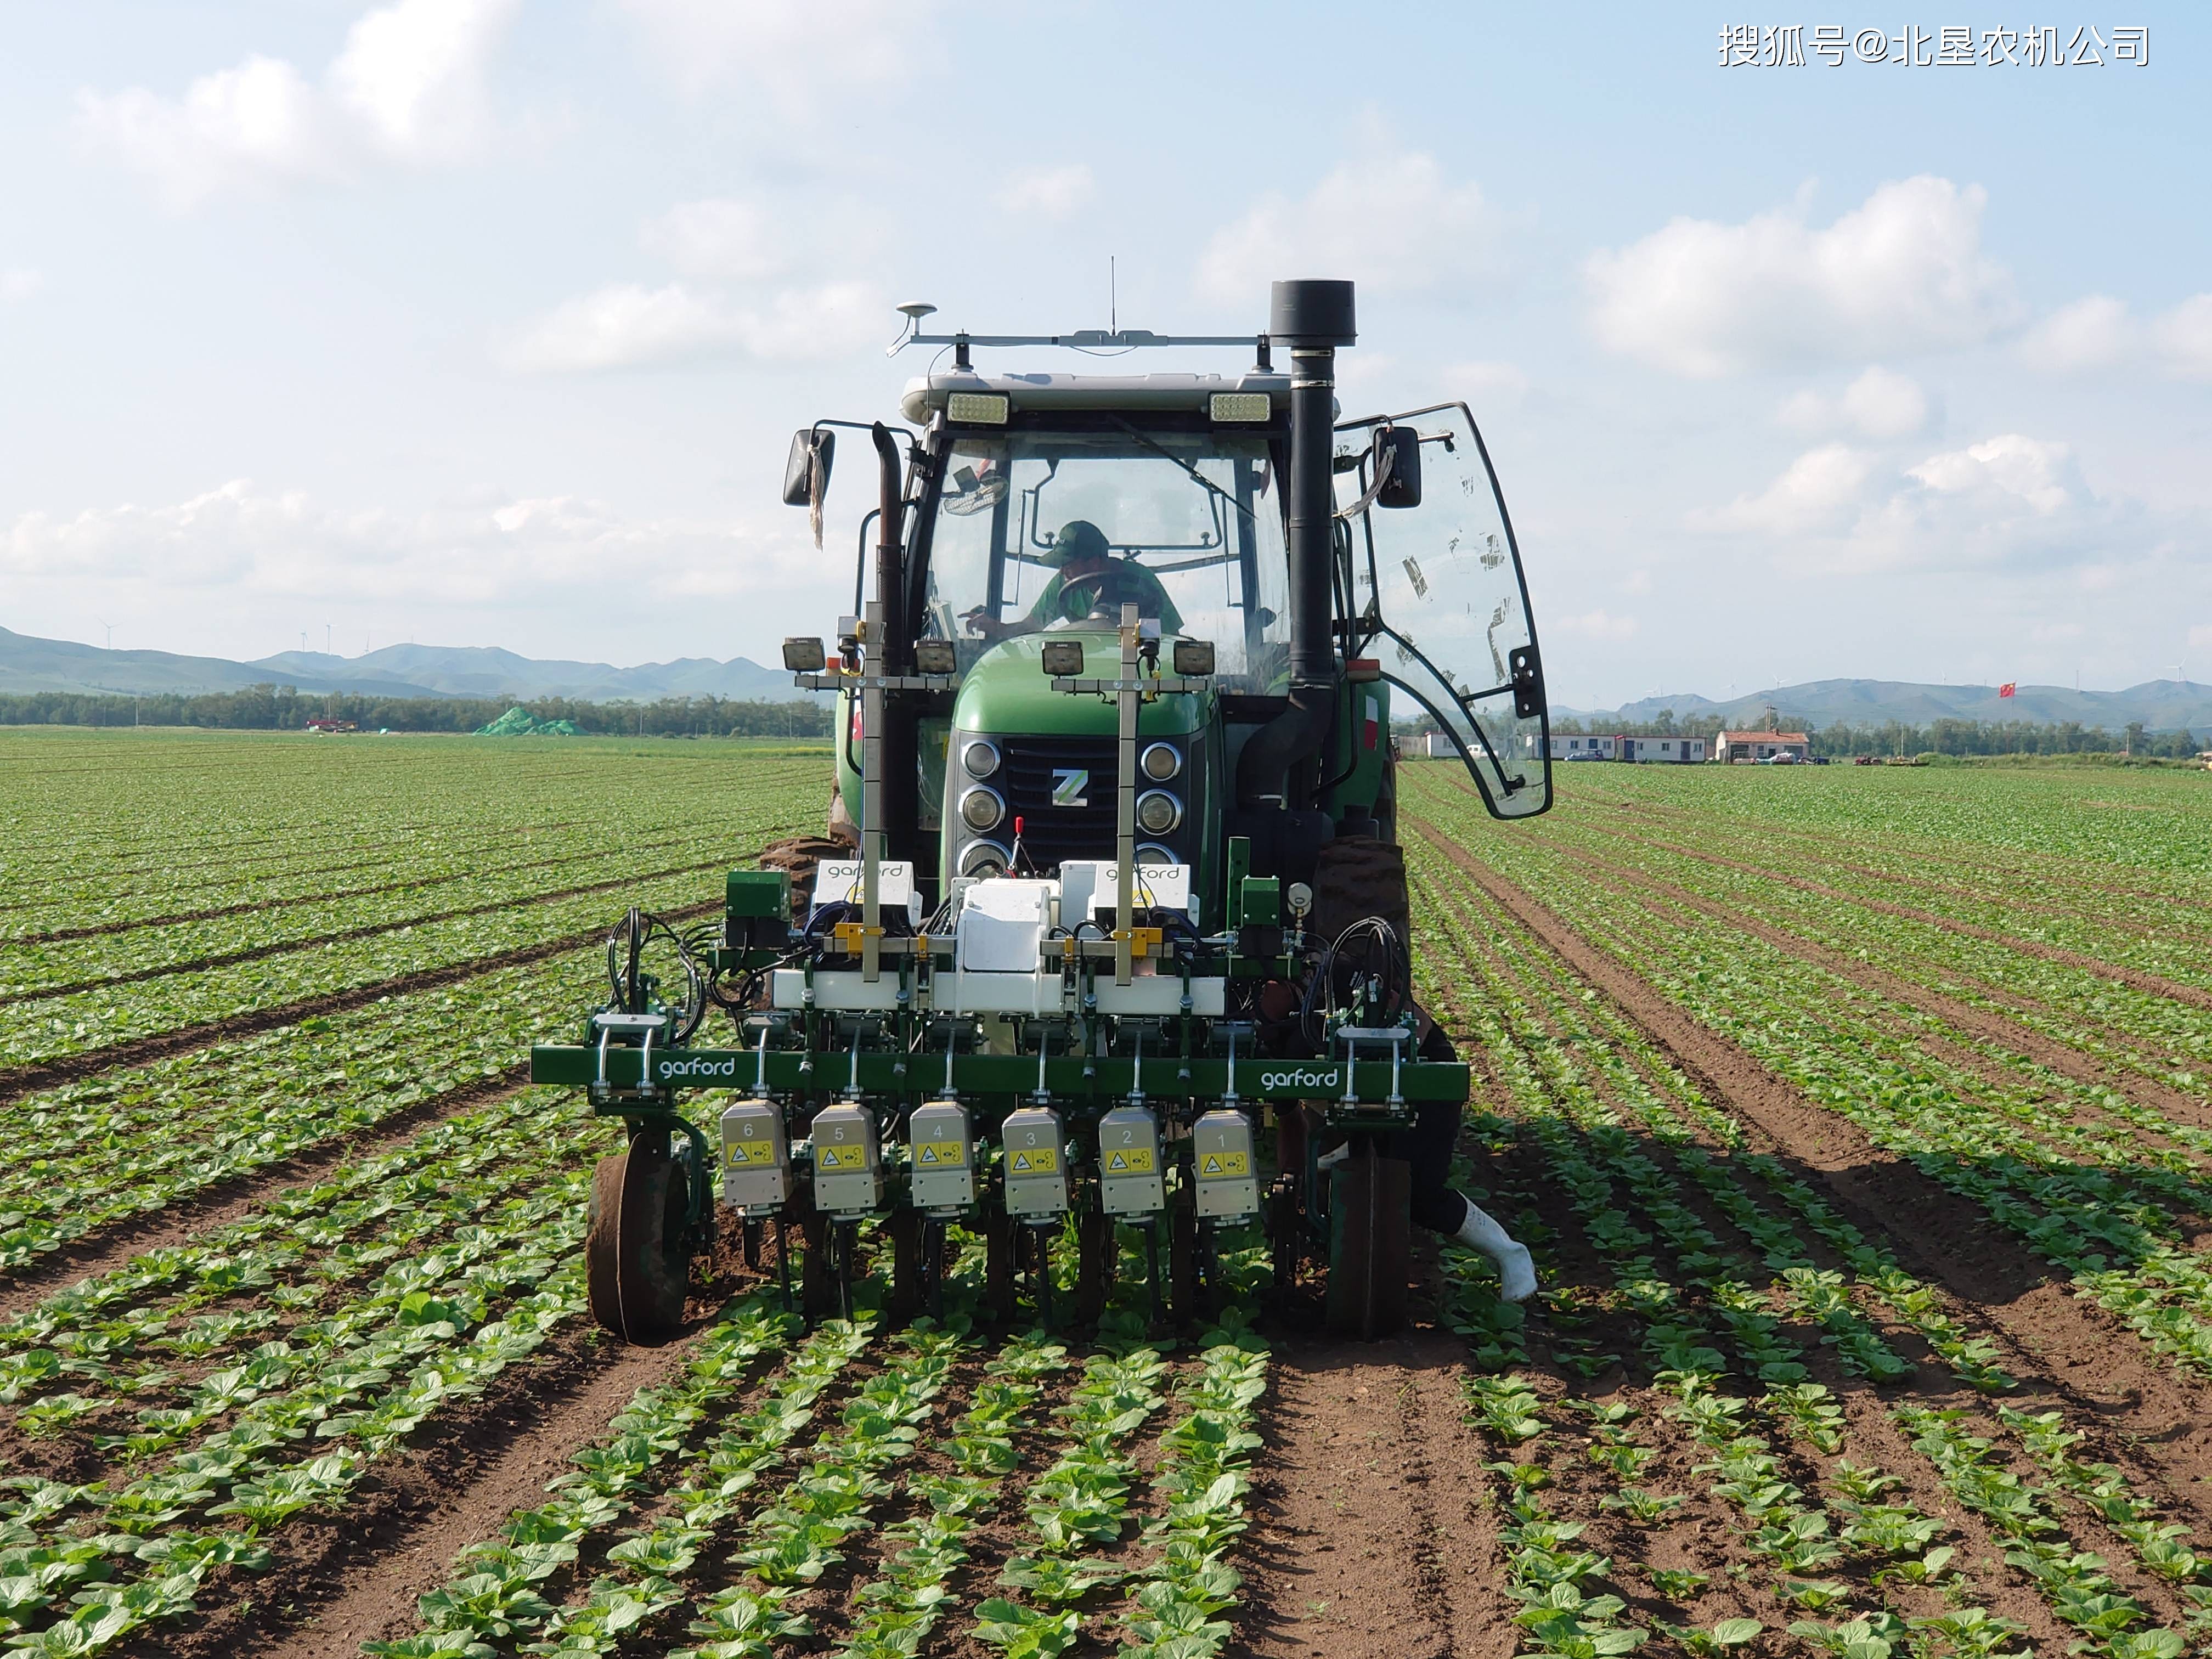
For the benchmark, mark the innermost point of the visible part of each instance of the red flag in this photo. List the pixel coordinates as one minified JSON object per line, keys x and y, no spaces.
{"x":2007,"y":688}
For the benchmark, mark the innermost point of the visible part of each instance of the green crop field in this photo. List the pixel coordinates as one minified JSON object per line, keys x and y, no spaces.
{"x":1860,"y":1118}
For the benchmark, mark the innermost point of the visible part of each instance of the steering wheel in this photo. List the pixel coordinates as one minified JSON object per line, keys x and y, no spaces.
{"x":1096,"y":582}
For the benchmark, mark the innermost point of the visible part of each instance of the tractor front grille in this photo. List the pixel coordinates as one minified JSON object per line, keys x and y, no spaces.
{"x":1029,"y":769}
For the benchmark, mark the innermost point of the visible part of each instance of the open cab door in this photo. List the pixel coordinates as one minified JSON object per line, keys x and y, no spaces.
{"x":1427,"y":561}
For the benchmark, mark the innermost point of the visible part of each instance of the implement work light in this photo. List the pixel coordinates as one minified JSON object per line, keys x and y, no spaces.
{"x":1194,"y":657}
{"x":803,"y":656}
{"x":1061,"y":659}
{"x":935,"y":656}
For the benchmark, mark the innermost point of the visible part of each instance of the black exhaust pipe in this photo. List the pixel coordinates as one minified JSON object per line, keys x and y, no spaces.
{"x":1313,"y":318}
{"x":902,"y":822}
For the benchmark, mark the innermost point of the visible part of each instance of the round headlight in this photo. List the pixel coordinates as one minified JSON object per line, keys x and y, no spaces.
{"x":981,"y":759}
{"x":984,"y":858}
{"x":1161,"y":760}
{"x":981,"y":808}
{"x":1157,"y":813}
{"x":1151,"y":852}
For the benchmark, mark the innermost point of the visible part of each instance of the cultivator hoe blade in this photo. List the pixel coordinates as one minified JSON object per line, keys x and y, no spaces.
{"x":637,"y":1263}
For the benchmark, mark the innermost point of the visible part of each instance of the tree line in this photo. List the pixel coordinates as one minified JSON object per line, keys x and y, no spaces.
{"x":283,"y":708}
{"x":1945,"y":736}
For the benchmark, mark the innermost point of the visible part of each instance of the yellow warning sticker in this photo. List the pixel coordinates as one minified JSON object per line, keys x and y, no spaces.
{"x":735,"y":1153}
{"x":1225,"y":1165}
{"x":1037,"y":1160}
{"x":938,"y":1152}
{"x":1131,"y":1160}
{"x":841,"y":1157}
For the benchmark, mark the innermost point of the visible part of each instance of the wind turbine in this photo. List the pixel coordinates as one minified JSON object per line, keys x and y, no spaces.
{"x":110,"y":627}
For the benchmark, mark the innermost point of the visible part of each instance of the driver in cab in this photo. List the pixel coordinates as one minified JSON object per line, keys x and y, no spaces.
{"x":1090,"y":579}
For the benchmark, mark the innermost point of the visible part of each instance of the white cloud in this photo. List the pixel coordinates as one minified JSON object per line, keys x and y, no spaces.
{"x":1880,"y":404}
{"x":1497,"y":383}
{"x":1820,"y":490}
{"x":1392,"y":223}
{"x":408,"y":85}
{"x":1905,"y":271}
{"x":751,"y":237}
{"x":1051,"y":192}
{"x":413,"y":74}
{"x":793,"y":51}
{"x":1595,"y":625}
{"x":2002,"y":472}
{"x":19,"y":283}
{"x":2009,"y":502}
{"x":2092,"y":333}
{"x":2185,"y":337}
{"x":238,"y":543}
{"x":628,"y":325}
{"x":720,"y":236}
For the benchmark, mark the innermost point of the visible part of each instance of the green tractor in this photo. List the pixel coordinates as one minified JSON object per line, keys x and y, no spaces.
{"x":1111,"y":929}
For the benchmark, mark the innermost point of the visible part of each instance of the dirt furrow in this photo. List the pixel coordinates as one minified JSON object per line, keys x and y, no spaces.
{"x":340,"y":1580}
{"x":1963,"y":1017}
{"x":2098,"y":1369}
{"x":193,"y":1217}
{"x":49,"y":1074}
{"x":1370,"y":1536}
{"x":291,"y":947}
{"x":2195,"y":996}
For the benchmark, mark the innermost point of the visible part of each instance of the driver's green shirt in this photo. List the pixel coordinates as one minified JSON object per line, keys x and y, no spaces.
{"x":1124,"y":581}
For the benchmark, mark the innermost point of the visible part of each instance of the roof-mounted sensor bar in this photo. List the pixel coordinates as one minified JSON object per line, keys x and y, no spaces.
{"x":1085,"y":339}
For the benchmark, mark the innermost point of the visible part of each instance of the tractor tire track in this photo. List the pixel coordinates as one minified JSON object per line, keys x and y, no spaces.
{"x":371,"y":930}
{"x":2096,"y":1367}
{"x":138,"y":1051}
{"x":1370,"y":1536}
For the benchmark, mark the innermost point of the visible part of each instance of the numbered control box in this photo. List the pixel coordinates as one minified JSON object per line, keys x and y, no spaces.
{"x":848,"y":1175}
{"x":940,"y":1159}
{"x":1129,"y":1163}
{"x":755,"y":1158}
{"x":1221,"y":1148}
{"x":1037,"y":1162}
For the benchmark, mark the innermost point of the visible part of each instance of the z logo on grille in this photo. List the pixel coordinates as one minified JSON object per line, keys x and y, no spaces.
{"x":1070,"y":786}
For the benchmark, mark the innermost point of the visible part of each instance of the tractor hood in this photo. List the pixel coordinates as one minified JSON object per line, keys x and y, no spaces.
{"x":1007,"y":691}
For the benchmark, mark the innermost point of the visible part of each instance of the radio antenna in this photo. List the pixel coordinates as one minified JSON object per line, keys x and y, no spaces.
{"x":1112,"y":298}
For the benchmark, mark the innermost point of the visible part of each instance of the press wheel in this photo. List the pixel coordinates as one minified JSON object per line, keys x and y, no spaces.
{"x":637,"y":1262}
{"x":1370,"y":1217}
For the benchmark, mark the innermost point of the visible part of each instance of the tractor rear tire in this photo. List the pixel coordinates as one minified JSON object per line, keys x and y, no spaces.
{"x":1370,"y":1206}
{"x":800,"y":857}
{"x":1357,"y":877}
{"x":637,"y":1264}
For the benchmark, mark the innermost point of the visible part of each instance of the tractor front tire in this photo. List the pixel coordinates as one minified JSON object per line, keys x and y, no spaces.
{"x":1371,"y":1218}
{"x":637,"y":1265}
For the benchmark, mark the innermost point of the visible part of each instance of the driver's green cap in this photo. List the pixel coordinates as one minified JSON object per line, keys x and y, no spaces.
{"x":1079,"y":538}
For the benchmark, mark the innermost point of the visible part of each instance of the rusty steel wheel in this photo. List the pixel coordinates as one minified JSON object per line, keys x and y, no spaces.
{"x":637,"y":1264}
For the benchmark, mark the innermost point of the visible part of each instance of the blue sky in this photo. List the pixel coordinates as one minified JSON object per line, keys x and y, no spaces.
{"x":487,"y":321}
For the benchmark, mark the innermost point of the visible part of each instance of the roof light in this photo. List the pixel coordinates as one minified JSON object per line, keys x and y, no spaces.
{"x":977,"y":408}
{"x":1242,"y":406}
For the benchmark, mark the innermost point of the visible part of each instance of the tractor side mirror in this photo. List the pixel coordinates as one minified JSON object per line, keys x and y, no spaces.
{"x":806,"y":473}
{"x":1398,"y":448}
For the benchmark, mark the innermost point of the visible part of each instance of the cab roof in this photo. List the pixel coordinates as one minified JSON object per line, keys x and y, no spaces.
{"x":928,"y":394}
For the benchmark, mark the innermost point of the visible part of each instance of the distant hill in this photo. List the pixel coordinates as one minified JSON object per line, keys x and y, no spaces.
{"x":2158,"y":705}
{"x":28,"y":664}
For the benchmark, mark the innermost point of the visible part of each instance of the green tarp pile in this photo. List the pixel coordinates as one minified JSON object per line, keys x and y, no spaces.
{"x":518,"y":722}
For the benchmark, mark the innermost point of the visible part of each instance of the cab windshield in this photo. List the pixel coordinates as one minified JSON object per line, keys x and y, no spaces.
{"x":1044,"y":531}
